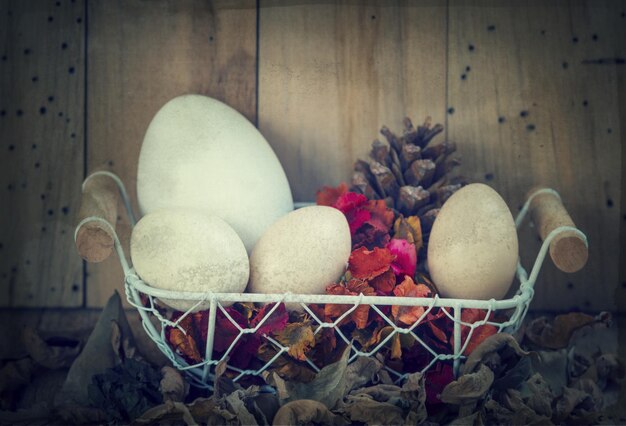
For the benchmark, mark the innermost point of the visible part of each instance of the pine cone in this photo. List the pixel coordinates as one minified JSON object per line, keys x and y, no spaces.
{"x":412,"y":177}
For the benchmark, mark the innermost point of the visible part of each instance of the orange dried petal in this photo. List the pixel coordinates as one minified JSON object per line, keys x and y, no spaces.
{"x":480,"y":333}
{"x":327,"y":196}
{"x":367,"y":264}
{"x":382,"y":215}
{"x":185,"y":344}
{"x":385,"y":282}
{"x":299,"y":338}
{"x":407,"y":288}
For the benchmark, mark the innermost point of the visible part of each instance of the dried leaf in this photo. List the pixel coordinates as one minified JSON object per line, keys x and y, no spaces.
{"x":381,"y":215}
{"x":366,"y":410}
{"x":515,"y":376}
{"x":480,"y":333}
{"x":170,"y":412}
{"x":491,"y":345}
{"x":306,"y":411}
{"x":436,"y":379}
{"x":52,"y":356}
{"x":326,"y":344}
{"x":328,"y":386}
{"x":15,"y":374}
{"x":569,"y":401}
{"x":469,"y":388}
{"x":285,"y":366}
{"x":522,"y":413}
{"x":126,"y":391}
{"x":42,"y":389}
{"x":474,"y":419}
{"x":211,"y":412}
{"x":354,"y":287}
{"x":593,"y":339}
{"x":366,"y":264}
{"x":327,"y":196}
{"x":407,"y":288}
{"x":541,"y":396}
{"x":236,"y":404}
{"x":610,"y":368}
{"x":71,"y":413}
{"x":225,"y":330}
{"x":184,"y":342}
{"x":552,"y":366}
{"x":173,"y":387}
{"x":556,"y":334}
{"x":591,"y":388}
{"x":299,"y":338}
{"x":396,"y":348}
{"x":38,"y":414}
{"x":384,"y":283}
{"x":413,"y":387}
{"x":272,"y":324}
{"x":437,"y":332}
{"x":370,"y":237}
{"x":97,"y":356}
{"x":361,"y":371}
{"x":409,"y":229}
{"x":367,"y":337}
{"x":498,"y":414}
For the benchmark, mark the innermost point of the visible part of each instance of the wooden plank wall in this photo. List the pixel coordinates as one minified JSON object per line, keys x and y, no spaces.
{"x":41,"y":151}
{"x":140,"y":57}
{"x":329,"y":75}
{"x":534,"y":110}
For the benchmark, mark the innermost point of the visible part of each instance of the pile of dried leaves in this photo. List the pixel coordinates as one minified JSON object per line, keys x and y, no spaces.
{"x":557,"y":371}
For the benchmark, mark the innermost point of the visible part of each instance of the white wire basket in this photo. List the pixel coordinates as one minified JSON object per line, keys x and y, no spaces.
{"x":145,"y":299}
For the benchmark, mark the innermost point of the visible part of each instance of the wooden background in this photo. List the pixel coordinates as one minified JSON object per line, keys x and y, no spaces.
{"x":531,"y":92}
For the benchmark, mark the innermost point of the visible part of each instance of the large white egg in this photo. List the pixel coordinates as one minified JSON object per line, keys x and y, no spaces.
{"x":188,"y":251}
{"x":200,"y":153}
{"x":302,"y":252}
{"x":473,"y":248}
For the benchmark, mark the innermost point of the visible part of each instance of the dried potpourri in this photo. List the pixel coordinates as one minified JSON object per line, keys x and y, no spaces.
{"x":189,"y":338}
{"x":384,"y":263}
{"x":390,"y":207}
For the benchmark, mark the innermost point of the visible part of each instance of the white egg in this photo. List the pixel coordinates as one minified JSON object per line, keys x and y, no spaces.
{"x":301,"y":253}
{"x":200,"y":153}
{"x":473,"y":247}
{"x":188,"y":251}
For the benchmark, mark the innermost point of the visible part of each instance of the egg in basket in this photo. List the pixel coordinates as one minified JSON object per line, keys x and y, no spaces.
{"x":409,"y":264}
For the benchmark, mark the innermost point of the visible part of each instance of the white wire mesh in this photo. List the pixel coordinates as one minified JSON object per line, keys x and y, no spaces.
{"x":511,"y":312}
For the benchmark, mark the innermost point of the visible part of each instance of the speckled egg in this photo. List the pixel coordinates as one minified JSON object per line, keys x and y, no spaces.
{"x":473,"y":247}
{"x":302,"y":252}
{"x":199,"y":153}
{"x":188,"y":251}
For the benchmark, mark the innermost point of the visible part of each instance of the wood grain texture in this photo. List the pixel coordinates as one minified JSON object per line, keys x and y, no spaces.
{"x":332,"y":73}
{"x":139,"y":57}
{"x":529,"y":108}
{"x":41,"y":145}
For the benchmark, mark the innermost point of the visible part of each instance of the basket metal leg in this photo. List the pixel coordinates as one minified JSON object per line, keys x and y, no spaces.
{"x":209,"y":339}
{"x":457,"y":340}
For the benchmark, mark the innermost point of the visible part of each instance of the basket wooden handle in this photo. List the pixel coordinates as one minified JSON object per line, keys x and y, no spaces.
{"x":94,"y":240}
{"x":568,"y":250}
